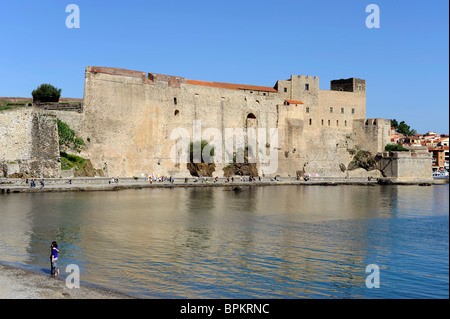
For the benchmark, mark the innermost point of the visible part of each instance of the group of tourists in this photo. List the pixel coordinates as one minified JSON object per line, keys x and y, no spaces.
{"x":156,"y":178}
{"x":32,"y":183}
{"x":114,"y":180}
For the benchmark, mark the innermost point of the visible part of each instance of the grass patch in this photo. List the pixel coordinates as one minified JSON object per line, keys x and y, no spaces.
{"x":5,"y":105}
{"x":69,"y":161}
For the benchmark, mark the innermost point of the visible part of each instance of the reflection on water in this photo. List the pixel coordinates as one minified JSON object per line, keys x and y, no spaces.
{"x":263,"y":242}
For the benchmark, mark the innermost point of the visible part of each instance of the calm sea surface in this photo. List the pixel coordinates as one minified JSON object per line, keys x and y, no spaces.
{"x":263,"y":242}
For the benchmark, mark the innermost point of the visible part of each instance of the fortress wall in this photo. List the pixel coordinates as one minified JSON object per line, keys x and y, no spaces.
{"x":213,"y":108}
{"x":324,"y":150}
{"x":372,"y":134}
{"x":407,"y":166}
{"x":338,"y":100}
{"x":29,"y":143}
{"x":15,"y":140}
{"x":130,"y":118}
{"x":124,"y":127}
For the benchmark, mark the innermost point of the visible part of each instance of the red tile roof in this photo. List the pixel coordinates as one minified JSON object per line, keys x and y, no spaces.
{"x":232,"y":86}
{"x":294,"y":102}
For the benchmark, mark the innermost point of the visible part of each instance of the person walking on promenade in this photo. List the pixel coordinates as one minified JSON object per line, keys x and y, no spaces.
{"x":54,"y":258}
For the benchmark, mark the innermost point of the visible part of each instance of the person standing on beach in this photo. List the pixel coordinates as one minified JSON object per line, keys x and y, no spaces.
{"x":54,"y":258}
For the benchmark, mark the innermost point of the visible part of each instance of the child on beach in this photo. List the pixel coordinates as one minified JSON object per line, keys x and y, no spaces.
{"x":54,"y":258}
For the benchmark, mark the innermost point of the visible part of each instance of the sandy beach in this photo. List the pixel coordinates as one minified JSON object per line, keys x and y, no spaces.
{"x":18,"y":283}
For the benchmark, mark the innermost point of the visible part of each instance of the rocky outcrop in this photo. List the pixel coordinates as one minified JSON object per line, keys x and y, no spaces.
{"x":241,"y":169}
{"x":201,"y":169}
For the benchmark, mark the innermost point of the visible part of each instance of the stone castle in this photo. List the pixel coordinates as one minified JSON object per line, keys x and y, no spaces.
{"x":128,"y":116}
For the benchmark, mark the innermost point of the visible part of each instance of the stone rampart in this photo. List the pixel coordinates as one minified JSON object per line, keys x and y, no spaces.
{"x":130,"y":117}
{"x":406,"y":166}
{"x":28,"y":143}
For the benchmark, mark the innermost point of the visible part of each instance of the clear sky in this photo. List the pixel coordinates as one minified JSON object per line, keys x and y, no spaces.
{"x":405,"y":62}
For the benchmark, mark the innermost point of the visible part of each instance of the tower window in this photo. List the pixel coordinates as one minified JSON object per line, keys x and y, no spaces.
{"x":345,"y":122}
{"x":175,"y":101}
{"x":322,"y":122}
{"x":329,"y":123}
{"x":353,"y":111}
{"x":285,"y":89}
{"x":307,"y":109}
{"x":176,"y":113}
{"x":331,"y":109}
{"x":306,"y":87}
{"x":310,"y":121}
{"x":342,"y":110}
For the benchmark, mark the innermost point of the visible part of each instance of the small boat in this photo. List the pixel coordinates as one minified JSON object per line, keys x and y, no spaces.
{"x":440,"y":174}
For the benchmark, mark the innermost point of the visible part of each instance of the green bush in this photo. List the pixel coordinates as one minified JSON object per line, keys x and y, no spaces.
{"x":46,"y":93}
{"x":67,"y":137}
{"x":395,"y":148}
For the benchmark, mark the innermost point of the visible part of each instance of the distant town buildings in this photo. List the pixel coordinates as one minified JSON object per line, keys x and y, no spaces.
{"x":437,"y":144}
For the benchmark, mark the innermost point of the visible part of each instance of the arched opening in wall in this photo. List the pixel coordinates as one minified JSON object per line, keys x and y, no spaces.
{"x":176,"y":113}
{"x":310,"y":121}
{"x":345,"y":122}
{"x":337,"y":122}
{"x":322,"y":122}
{"x":251,"y":121}
{"x":329,"y":122}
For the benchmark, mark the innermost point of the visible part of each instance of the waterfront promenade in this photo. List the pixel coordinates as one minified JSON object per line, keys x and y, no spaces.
{"x":11,"y":185}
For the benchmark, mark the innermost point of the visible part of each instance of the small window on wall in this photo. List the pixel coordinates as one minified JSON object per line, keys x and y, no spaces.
{"x":337,"y":122}
{"x":331,"y":109}
{"x":342,"y":110}
{"x":345,"y":122}
{"x":329,"y":122}
{"x":176,"y":113}
{"x":285,"y":89}
{"x":353,"y":111}
{"x":306,"y":87}
{"x":307,"y":109}
{"x":175,"y":101}
{"x":322,"y":122}
{"x":310,"y":121}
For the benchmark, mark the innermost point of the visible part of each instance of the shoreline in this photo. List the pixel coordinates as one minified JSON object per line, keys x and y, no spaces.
{"x":84,"y":184}
{"x":19,"y":283}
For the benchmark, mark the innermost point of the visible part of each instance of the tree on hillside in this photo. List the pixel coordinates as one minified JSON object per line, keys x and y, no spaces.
{"x":394,"y":123}
{"x":402,"y":128}
{"x":46,"y":93}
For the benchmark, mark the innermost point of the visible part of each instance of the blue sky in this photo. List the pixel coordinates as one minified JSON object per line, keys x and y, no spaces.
{"x":405,"y":62}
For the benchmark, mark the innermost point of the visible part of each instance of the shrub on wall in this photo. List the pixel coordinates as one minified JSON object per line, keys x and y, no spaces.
{"x":46,"y":93}
{"x":395,"y":148}
{"x":68,"y":138}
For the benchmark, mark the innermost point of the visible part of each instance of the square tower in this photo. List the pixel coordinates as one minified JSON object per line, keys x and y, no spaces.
{"x":349,"y":85}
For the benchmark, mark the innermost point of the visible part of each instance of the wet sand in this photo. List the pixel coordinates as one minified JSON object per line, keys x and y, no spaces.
{"x":18,"y":283}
